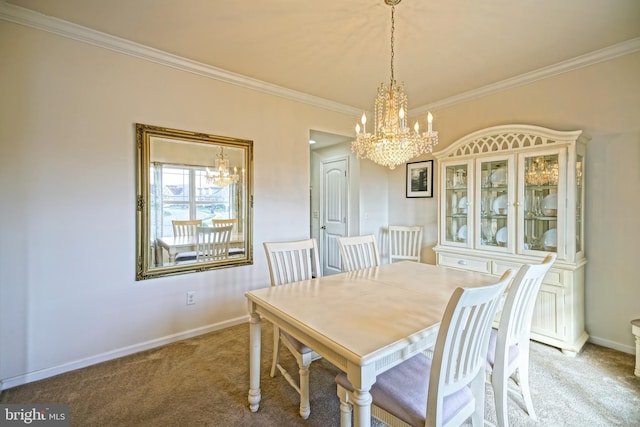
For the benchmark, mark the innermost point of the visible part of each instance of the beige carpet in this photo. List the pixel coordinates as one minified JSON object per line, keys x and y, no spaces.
{"x":203,"y":381}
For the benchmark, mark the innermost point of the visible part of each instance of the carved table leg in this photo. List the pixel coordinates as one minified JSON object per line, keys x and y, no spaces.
{"x":254,"y":361}
{"x":362,"y":408}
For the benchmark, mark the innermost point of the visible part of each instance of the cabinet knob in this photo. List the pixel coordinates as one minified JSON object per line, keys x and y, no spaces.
{"x":462,"y":262}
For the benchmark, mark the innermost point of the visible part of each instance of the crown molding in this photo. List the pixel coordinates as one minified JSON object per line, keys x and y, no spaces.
{"x":27,"y":17}
{"x":601,"y":55}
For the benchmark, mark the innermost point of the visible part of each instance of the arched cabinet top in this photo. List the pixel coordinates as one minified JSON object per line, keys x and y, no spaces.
{"x":508,"y":138}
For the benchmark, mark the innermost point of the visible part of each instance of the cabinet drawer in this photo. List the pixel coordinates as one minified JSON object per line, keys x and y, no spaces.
{"x":554,"y":277}
{"x":473,"y":264}
{"x":499,"y":267}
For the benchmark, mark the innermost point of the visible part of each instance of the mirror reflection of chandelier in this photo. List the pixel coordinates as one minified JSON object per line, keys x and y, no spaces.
{"x":221,"y":175}
{"x":392,"y":143}
{"x":542,"y":171}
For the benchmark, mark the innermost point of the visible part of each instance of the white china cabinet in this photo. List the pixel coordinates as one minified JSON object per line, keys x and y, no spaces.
{"x":508,"y":196}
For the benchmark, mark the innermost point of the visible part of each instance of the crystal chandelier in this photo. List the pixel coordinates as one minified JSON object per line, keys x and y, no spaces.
{"x":221,"y":176}
{"x":392,"y":143}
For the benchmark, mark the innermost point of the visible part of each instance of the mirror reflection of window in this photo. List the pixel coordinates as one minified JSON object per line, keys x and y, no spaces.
{"x":185,"y":193}
{"x":185,"y":176}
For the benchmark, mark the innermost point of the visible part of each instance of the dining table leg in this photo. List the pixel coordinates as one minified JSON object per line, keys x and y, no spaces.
{"x":362,"y":378}
{"x":255,"y":336}
{"x":361,"y":408}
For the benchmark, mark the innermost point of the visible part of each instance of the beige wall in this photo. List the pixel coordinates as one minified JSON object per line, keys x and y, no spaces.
{"x":604,"y":101}
{"x":67,"y":179}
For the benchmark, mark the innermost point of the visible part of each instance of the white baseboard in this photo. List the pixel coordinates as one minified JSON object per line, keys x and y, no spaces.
{"x":110,"y":355}
{"x":612,"y":344}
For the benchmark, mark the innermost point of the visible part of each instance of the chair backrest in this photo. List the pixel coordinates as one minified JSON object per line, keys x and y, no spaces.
{"x":460,"y":353}
{"x":213,"y":243}
{"x":405,"y":243}
{"x":515,"y":319}
{"x":185,"y":227}
{"x":358,"y":252}
{"x":292,"y":261}
{"x":223,"y":222}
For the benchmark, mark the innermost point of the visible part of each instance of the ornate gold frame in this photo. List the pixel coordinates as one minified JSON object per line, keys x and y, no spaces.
{"x":146,"y":265}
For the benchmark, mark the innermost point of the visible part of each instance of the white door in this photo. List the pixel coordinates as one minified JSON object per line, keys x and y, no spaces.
{"x":333,"y":212}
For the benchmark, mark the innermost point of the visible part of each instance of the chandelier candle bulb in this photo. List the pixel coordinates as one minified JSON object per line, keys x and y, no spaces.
{"x":430,"y":120}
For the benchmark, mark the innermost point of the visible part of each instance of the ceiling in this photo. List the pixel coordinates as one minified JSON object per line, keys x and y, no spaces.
{"x":339,"y":50}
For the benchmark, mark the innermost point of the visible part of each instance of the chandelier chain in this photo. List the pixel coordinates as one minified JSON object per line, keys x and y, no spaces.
{"x":393,"y":27}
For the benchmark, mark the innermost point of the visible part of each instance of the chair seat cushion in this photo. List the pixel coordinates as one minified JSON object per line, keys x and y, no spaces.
{"x":300,"y":347}
{"x":514,"y":351}
{"x":403,"y":391}
{"x":186,"y":256}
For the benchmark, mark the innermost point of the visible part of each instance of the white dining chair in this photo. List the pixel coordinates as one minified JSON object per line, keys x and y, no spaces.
{"x":185,"y":227}
{"x":448,"y":389}
{"x":358,"y":252}
{"x":292,"y":262}
{"x":508,"y":352}
{"x":223,"y":222}
{"x":405,"y":243}
{"x":213,"y":243}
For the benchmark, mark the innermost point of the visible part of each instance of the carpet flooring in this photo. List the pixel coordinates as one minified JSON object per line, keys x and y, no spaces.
{"x":203,"y":381}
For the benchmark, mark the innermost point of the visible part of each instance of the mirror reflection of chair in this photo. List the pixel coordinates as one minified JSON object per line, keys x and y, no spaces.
{"x":291,"y":262}
{"x":448,"y":389}
{"x":185,"y":227}
{"x":508,"y":354}
{"x":358,"y":252}
{"x":405,"y":243}
{"x":213,"y":243}
{"x":223,"y":222}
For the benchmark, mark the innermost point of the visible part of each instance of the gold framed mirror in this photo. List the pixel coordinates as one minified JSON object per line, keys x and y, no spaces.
{"x":194,"y":202}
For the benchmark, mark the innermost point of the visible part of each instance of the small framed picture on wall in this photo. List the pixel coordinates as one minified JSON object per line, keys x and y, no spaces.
{"x":420,"y":179}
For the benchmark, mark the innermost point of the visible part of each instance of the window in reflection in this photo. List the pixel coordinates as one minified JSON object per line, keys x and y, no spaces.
{"x":186,"y":194}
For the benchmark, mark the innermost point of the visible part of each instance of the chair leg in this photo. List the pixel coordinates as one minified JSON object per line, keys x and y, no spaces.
{"x":276,"y":350}
{"x":477,"y":390}
{"x":345,"y":407}
{"x":499,"y":381}
{"x":523,"y":382}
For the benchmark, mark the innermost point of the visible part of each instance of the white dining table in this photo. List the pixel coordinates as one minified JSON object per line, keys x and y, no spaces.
{"x":364,"y":322}
{"x":174,"y":245}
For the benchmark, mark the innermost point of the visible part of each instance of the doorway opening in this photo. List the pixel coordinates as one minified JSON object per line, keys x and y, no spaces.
{"x":332,"y":195}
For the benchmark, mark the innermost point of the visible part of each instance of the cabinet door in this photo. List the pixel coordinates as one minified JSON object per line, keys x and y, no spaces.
{"x":548,"y":313}
{"x":542,"y":203}
{"x":495,"y":181}
{"x":456,"y":207}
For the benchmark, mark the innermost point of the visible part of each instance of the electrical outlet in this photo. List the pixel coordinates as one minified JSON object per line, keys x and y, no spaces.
{"x":191,"y":297}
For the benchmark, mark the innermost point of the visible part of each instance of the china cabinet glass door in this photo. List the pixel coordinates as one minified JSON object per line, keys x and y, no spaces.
{"x":495,"y":179}
{"x":458,"y":229}
{"x":542,"y":200}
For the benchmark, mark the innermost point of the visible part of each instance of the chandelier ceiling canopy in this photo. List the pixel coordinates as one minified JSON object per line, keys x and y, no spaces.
{"x":392,"y":142}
